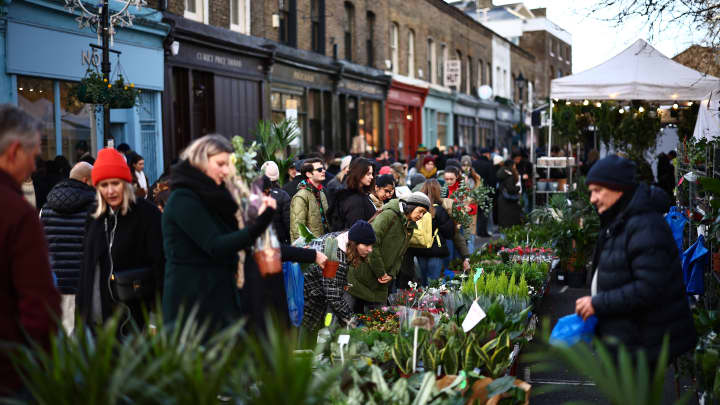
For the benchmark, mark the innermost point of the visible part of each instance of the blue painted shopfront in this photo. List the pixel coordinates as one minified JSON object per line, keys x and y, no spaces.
{"x":46,"y":54}
{"x":438,"y":120}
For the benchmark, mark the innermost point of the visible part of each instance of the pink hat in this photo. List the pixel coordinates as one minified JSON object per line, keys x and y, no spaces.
{"x":385,"y":170}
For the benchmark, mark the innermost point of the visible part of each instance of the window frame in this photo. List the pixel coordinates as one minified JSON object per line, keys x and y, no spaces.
{"x":394,"y":46}
{"x":411,"y":53}
{"x":349,"y":32}
{"x":371,"y":21}
{"x":243,"y":17}
{"x":201,"y":11}
{"x":431,"y":55}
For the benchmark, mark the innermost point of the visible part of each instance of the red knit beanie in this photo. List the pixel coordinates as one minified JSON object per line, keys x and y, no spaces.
{"x":110,"y":164}
{"x":428,"y":158}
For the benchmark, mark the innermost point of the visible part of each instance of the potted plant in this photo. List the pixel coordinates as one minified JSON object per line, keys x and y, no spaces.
{"x":332,"y":263}
{"x":96,"y":89}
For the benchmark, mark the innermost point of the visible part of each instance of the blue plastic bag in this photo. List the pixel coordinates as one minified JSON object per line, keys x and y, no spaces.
{"x":294,"y":285}
{"x":676,"y":219}
{"x":571,"y":328}
{"x":694,"y":261}
{"x":449,"y":274}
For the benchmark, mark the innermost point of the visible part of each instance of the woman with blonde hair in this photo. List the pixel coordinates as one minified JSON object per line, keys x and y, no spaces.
{"x":123,"y":256}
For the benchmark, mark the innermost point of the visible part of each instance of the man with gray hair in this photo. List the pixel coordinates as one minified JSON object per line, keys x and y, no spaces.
{"x":29,"y":302}
{"x":65,"y":215}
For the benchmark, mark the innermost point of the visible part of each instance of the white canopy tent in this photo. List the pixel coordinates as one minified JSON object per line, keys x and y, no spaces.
{"x":640,"y":72}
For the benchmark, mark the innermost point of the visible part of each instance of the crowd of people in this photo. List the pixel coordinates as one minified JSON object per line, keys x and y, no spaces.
{"x":102,"y":241}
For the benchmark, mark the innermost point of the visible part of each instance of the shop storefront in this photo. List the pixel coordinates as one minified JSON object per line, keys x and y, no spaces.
{"x":486,"y":124}
{"x":404,"y":118}
{"x":47,"y":55}
{"x":466,"y":123}
{"x":214,"y":84}
{"x":438,"y":128}
{"x":503,"y":127}
{"x":361,"y":107}
{"x":304,"y":92}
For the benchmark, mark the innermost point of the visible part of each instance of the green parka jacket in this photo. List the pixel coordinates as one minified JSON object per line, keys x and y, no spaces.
{"x":304,"y":209}
{"x":392,"y":232}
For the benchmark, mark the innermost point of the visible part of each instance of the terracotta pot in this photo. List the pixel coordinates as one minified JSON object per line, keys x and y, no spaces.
{"x":716,"y":262}
{"x":330,"y":269}
{"x":268,"y":261}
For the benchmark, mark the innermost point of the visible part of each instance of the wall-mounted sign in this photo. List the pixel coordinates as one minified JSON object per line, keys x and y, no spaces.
{"x":453,"y":72}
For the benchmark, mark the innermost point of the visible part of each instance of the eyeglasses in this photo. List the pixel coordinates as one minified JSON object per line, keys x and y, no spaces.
{"x":319,"y":169}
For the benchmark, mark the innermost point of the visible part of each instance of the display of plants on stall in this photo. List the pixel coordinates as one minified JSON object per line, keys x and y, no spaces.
{"x":381,"y":319}
{"x":463,"y":197}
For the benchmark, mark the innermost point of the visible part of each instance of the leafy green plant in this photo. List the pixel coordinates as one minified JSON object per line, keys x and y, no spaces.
{"x":244,"y":158}
{"x":495,"y":355}
{"x":330,"y":250}
{"x":95,"y":89}
{"x":275,"y":139}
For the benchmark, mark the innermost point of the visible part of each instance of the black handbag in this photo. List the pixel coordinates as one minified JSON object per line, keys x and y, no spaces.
{"x":133,"y":284}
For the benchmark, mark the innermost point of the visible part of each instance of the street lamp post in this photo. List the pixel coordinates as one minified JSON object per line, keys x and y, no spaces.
{"x":104,"y":22}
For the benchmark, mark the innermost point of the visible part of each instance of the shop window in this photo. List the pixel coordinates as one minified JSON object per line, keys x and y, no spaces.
{"x":430,"y":61}
{"x":286,"y":105}
{"x":75,"y":123}
{"x":370,"y":40}
{"x":396,"y":131}
{"x":37,"y":97}
{"x":442,"y":57}
{"x":195,"y":10}
{"x":349,"y":30}
{"x":411,"y":53}
{"x":394,"y":43}
{"x":240,"y":16}
{"x":368,"y":126}
{"x":442,"y":130}
{"x":317,"y":26}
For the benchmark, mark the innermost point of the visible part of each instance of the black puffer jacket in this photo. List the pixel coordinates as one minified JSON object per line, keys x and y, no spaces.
{"x":350,"y":205}
{"x":281,"y":219}
{"x":640,"y":293}
{"x":64,"y":217}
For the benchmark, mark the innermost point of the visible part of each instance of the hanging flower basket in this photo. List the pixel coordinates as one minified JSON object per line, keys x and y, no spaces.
{"x":94,"y":89}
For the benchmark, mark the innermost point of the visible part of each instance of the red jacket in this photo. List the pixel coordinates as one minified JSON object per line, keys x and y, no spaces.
{"x":452,"y":189}
{"x":29,"y":301}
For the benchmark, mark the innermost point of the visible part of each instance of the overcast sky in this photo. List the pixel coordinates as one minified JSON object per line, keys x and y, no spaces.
{"x":595,"y":40}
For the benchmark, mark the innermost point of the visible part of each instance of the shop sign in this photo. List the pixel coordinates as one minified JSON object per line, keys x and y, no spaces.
{"x":361,"y":88}
{"x":453,"y":70}
{"x":298,"y":76}
{"x":217,"y":60}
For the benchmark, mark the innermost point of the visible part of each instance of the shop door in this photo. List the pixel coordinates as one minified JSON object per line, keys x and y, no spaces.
{"x":238,"y":107}
{"x":149,"y":135}
{"x":397,"y":129}
{"x":203,"y":111}
{"x":182,"y":135}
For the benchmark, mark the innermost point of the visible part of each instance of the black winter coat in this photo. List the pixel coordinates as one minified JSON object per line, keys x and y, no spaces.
{"x":65,"y":217}
{"x":640,"y":292}
{"x":281,"y":219}
{"x":485,"y":169}
{"x":350,"y":205}
{"x":291,"y":186}
{"x":138,"y":243}
{"x":446,"y":230}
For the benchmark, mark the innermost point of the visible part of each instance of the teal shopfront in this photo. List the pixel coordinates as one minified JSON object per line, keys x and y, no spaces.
{"x":47,"y":55}
{"x":438,"y":128}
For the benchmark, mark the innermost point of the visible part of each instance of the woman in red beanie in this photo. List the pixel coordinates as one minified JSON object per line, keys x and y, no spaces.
{"x":123,"y":261}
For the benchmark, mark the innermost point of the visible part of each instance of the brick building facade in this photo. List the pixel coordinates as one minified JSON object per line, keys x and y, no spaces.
{"x":553,"y":59}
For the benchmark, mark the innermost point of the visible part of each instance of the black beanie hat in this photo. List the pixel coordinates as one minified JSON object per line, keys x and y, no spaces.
{"x":384,"y":179}
{"x":362,"y":232}
{"x":613,"y":172}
